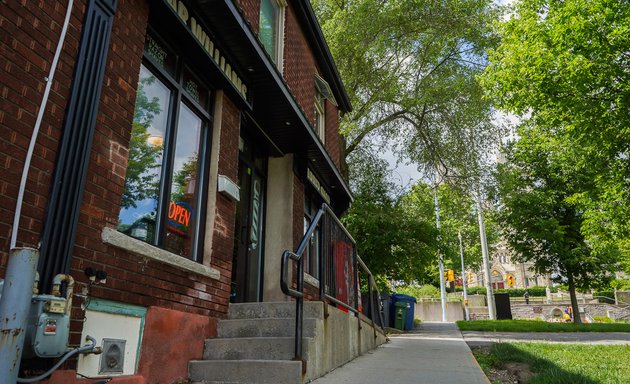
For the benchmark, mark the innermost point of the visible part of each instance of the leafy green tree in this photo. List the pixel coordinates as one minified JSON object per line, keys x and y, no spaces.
{"x":410,"y":68}
{"x":564,"y":66}
{"x":394,"y":244}
{"x":419,"y":291}
{"x":456,"y":215}
{"x":540,"y":224}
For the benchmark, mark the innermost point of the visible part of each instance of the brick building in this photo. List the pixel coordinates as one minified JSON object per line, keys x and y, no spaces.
{"x":184,"y":145}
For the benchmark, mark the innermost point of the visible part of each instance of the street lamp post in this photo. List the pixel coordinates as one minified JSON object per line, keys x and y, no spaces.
{"x":440,"y":257}
{"x":461,"y":256}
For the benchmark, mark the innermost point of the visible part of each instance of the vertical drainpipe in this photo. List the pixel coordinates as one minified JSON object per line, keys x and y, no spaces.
{"x":14,"y":307}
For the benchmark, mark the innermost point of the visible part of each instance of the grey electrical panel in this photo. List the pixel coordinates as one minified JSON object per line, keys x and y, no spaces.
{"x":113,"y":356}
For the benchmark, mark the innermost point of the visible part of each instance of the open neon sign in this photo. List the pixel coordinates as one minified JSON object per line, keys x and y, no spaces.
{"x":179,"y":215}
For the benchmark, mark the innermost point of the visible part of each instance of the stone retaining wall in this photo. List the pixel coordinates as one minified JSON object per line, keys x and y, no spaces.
{"x":622,"y":297}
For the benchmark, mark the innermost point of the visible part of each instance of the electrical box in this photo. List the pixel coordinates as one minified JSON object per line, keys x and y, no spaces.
{"x":48,"y":327}
{"x":113,"y":356}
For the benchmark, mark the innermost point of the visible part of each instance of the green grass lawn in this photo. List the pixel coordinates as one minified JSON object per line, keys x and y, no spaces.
{"x":539,"y":326}
{"x":562,"y":363}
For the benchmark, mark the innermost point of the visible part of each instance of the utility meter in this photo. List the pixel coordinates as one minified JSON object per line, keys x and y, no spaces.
{"x":48,"y":328}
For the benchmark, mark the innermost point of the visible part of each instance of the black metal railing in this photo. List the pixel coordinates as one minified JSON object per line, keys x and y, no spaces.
{"x":340,"y":270}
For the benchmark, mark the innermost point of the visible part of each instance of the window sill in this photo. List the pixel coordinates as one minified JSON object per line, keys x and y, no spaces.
{"x":308,"y":279}
{"x":113,"y":237}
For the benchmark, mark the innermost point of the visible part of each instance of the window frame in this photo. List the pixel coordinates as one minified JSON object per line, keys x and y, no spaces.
{"x":313,"y":252}
{"x":179,"y":97}
{"x":278,"y":44}
{"x":320,"y":116}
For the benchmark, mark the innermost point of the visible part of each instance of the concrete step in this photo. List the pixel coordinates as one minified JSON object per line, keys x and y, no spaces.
{"x":285,"y":309}
{"x":245,"y":371}
{"x":264,"y":327}
{"x":252,"y":348}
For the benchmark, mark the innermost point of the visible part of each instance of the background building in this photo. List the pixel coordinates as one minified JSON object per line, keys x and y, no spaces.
{"x":506,"y":273}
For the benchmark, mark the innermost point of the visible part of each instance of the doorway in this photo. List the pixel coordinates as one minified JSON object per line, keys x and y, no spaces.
{"x":248,"y":257}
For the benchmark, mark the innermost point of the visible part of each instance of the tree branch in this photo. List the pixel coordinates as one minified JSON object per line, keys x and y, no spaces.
{"x":370,"y":128}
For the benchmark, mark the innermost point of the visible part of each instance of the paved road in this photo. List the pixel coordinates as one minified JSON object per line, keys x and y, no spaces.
{"x":435,"y":353}
{"x":476,"y":338}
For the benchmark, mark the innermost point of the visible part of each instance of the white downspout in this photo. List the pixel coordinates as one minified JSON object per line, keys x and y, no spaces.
{"x":38,"y":123}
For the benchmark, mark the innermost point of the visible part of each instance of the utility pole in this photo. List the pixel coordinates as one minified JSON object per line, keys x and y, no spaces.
{"x":486,"y":260}
{"x":461,"y":256}
{"x":440,"y":257}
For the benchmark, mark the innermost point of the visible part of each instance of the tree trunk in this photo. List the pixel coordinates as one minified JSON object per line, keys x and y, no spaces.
{"x":574,"y":304}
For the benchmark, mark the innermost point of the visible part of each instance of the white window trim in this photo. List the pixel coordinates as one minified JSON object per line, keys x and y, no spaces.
{"x":279,"y":43}
{"x":282,"y":5}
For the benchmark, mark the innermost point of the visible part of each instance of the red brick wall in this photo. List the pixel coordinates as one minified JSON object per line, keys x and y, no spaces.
{"x":223,"y":238}
{"x":333,"y":138}
{"x":299,"y":65}
{"x":251,"y":12}
{"x":134,"y":279}
{"x":300,"y":68}
{"x":29,"y":33}
{"x":131,"y":278}
{"x":27,"y":48}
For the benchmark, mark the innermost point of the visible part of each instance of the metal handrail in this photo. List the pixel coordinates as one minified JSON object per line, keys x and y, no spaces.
{"x":298,"y":292}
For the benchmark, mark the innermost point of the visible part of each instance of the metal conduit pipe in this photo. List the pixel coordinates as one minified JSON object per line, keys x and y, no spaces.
{"x":91,"y":348}
{"x":14,"y":308}
{"x":38,"y":123}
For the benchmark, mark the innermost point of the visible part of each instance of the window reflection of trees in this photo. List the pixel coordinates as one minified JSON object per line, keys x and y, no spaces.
{"x":145,"y":157}
{"x":185,"y":180}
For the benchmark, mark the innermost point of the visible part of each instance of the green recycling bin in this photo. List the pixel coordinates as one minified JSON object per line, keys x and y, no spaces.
{"x":401,"y":313}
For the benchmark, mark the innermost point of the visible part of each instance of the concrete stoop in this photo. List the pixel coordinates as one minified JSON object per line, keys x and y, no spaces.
{"x":256,"y":345}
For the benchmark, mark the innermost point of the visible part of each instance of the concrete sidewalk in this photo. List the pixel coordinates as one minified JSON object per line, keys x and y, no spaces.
{"x":434,"y":353}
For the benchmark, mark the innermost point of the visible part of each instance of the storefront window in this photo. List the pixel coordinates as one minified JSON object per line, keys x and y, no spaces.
{"x":144,"y":168}
{"x":182,"y":206}
{"x":163,"y":187}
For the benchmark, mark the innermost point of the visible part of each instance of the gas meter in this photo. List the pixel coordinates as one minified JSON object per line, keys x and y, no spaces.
{"x":48,"y":321}
{"x":48,"y":327}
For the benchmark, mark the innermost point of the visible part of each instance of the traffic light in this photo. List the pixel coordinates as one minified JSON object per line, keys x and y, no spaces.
{"x":470,"y":277}
{"x":510,"y":280}
{"x":451,"y":275}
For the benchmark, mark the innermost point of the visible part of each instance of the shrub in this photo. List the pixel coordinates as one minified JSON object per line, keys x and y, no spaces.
{"x":513,"y":292}
{"x":416,"y":291}
{"x":476,"y":290}
{"x":620,"y":284}
{"x":429,"y":291}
